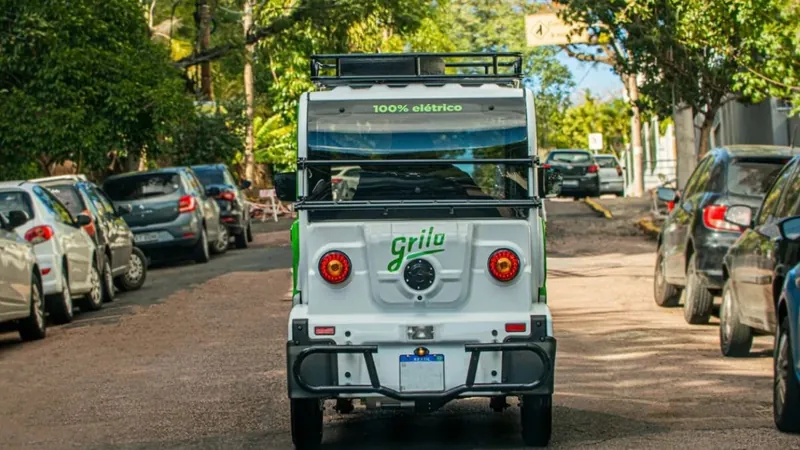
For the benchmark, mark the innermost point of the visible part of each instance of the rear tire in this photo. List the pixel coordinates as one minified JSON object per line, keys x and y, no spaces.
{"x":34,"y":327}
{"x":60,"y":305}
{"x":93,"y":300}
{"x":201,"y":252}
{"x":249,"y":232}
{"x":306,"y":423}
{"x":735,"y":338}
{"x":536,"y":418}
{"x":665,"y":294}
{"x":699,"y":301}
{"x":242,"y":239}
{"x":134,"y":278}
{"x":109,"y":292}
{"x":785,"y":387}
{"x":221,"y":244}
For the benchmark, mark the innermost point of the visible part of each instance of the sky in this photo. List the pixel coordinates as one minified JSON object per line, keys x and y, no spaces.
{"x":596,"y":77}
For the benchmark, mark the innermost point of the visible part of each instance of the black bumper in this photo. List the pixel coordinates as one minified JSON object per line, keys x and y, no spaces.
{"x":233,"y":222}
{"x":528,"y":367}
{"x":711,"y":249}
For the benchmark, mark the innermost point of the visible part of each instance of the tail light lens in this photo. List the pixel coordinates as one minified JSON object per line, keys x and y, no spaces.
{"x":334,"y":267}
{"x":516,"y":327}
{"x":90,"y":229}
{"x":335,"y":180}
{"x":504,"y":264}
{"x":37,"y":235}
{"x":593,"y":168}
{"x":714,"y":219}
{"x":227,"y":195}
{"x":546,"y":166}
{"x":324,"y":331}
{"x":187,"y":203}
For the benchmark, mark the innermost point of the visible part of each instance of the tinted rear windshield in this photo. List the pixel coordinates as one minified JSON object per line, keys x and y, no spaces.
{"x":753,"y":177}
{"x":136,"y":187}
{"x":15,"y":201}
{"x":210,"y":176}
{"x":69,"y":196}
{"x":569,"y":157}
{"x":606,"y":162}
{"x":451,"y":129}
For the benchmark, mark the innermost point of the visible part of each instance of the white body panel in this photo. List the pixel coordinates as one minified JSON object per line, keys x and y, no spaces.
{"x":17,"y":263}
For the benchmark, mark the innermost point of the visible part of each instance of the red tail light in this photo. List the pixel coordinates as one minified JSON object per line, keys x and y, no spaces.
{"x":335,"y":180}
{"x":516,"y":328}
{"x":714,"y":219}
{"x":37,"y":235}
{"x":593,"y":168}
{"x":670,"y":206}
{"x":546,"y":166}
{"x":227,"y":195}
{"x":324,"y":331}
{"x":89,"y":228}
{"x":187,"y":203}
{"x":504,"y":264}
{"x":334,"y":267}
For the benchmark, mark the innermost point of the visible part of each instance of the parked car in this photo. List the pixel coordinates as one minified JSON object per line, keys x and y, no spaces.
{"x":612,"y":179}
{"x":233,"y":205}
{"x":124,"y":265}
{"x":345,"y":181}
{"x":579,"y":172}
{"x":786,"y":357}
{"x":695,"y":236}
{"x":756,"y":265}
{"x":64,"y":251}
{"x":168,"y":210}
{"x":21,"y":298}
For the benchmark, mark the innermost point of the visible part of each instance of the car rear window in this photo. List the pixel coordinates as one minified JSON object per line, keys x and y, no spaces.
{"x":210,"y":176}
{"x":753,"y":177}
{"x":570,"y":157}
{"x":69,"y":196}
{"x":606,"y":162}
{"x":15,"y":201}
{"x":136,"y":187}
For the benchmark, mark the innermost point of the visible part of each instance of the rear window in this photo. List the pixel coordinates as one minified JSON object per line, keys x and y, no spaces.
{"x":753,"y":178}
{"x":136,"y":187}
{"x":210,"y":176}
{"x":69,"y":196}
{"x":570,"y":157}
{"x":606,"y":162}
{"x":15,"y":201}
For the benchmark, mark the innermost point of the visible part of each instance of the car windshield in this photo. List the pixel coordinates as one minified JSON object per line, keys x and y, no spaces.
{"x":606,"y":162}
{"x":146,"y":185}
{"x":15,"y":201}
{"x":753,"y":177}
{"x":570,"y":157}
{"x":69,"y":196}
{"x":419,"y":130}
{"x":210,"y":176}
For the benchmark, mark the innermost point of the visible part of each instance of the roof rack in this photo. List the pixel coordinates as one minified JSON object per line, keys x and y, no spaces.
{"x":425,"y":68}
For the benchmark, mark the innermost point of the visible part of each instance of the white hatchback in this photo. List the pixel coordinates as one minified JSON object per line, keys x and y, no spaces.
{"x":64,"y":251}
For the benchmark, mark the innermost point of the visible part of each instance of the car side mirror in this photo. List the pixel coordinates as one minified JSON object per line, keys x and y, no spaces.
{"x":124,"y":209}
{"x":82,"y":220}
{"x":286,"y":186}
{"x":790,"y":228}
{"x":245,"y":184}
{"x":213,"y":191}
{"x":17,"y":218}
{"x":739,"y":215}
{"x":666,"y":194}
{"x":549,"y":181}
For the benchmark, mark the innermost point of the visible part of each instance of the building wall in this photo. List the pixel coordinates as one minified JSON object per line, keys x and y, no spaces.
{"x":739,"y":123}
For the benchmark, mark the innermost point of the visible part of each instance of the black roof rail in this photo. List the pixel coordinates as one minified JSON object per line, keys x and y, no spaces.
{"x":330,"y":70}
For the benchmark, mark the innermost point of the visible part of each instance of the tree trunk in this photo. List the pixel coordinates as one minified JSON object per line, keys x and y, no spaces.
{"x":250,"y":172}
{"x":636,"y":138}
{"x":705,"y":132}
{"x":204,"y":43}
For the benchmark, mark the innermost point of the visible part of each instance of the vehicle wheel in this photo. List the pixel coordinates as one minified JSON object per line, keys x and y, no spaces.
{"x":134,"y":278}
{"x":665,"y":294}
{"x":249,"y":232}
{"x":735,"y":338}
{"x":201,"y":253}
{"x":536,"y":416}
{"x":242,"y":238}
{"x":221,"y":244}
{"x":786,"y":389}
{"x":93,"y":301}
{"x":108,"y":282}
{"x":699,"y":301}
{"x":60,"y":305}
{"x":34,"y":327}
{"x":306,"y":423}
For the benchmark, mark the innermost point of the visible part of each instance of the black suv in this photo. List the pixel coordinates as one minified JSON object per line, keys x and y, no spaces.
{"x":579,"y":171}
{"x":233,"y":206}
{"x":123,"y":264}
{"x":696,"y":236}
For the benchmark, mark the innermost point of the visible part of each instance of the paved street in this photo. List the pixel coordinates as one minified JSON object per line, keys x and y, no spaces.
{"x":196,"y":360}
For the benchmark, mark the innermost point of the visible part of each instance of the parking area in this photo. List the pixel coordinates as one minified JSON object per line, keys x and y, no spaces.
{"x":195,"y":359}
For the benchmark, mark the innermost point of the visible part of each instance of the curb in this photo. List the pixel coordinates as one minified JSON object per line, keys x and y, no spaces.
{"x":647,"y":225}
{"x":598,"y":208}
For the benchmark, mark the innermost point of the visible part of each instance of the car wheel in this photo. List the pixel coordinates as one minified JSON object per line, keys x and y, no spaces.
{"x":134,"y":278}
{"x":60,"y":305}
{"x":201,"y":252}
{"x":735,"y":338}
{"x":249,"y":232}
{"x":699,"y":301}
{"x":221,"y":244}
{"x":536,"y":417}
{"x":34,"y":326}
{"x":109,"y":292}
{"x":665,"y":294}
{"x":306,"y":417}
{"x":242,"y":239}
{"x":93,"y":300}
{"x":786,"y":389}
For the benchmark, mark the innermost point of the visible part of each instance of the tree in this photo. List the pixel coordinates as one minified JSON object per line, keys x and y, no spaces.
{"x":592,"y":116}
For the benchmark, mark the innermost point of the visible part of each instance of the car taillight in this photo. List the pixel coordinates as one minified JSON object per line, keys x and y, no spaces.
{"x":335,"y":180}
{"x":334,"y":267}
{"x":90,"y":230}
{"x":714,"y":219}
{"x":227,"y":195}
{"x":324,"y":331}
{"x":187,"y":203}
{"x":504,"y":264}
{"x":546,"y":166}
{"x":593,"y":168}
{"x":37,"y":235}
{"x":516,"y":327}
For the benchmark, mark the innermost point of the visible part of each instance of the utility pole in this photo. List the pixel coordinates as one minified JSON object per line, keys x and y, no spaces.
{"x":636,"y":137}
{"x":203,"y":22}
{"x":249,"y":92}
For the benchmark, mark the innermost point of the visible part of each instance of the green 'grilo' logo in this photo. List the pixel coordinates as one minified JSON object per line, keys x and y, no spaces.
{"x":426,"y":244}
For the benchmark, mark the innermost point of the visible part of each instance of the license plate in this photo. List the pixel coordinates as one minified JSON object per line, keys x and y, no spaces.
{"x":421,"y":373}
{"x":571,"y":183}
{"x":145,"y":237}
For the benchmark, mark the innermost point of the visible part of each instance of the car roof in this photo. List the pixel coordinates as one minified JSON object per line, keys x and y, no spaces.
{"x":79,"y":177}
{"x":210,"y":167}
{"x":777,"y":151}
{"x":570,"y":150}
{"x":168,"y":170}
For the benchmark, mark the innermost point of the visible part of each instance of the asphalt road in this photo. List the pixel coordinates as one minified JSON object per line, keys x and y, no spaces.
{"x":195,"y":361}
